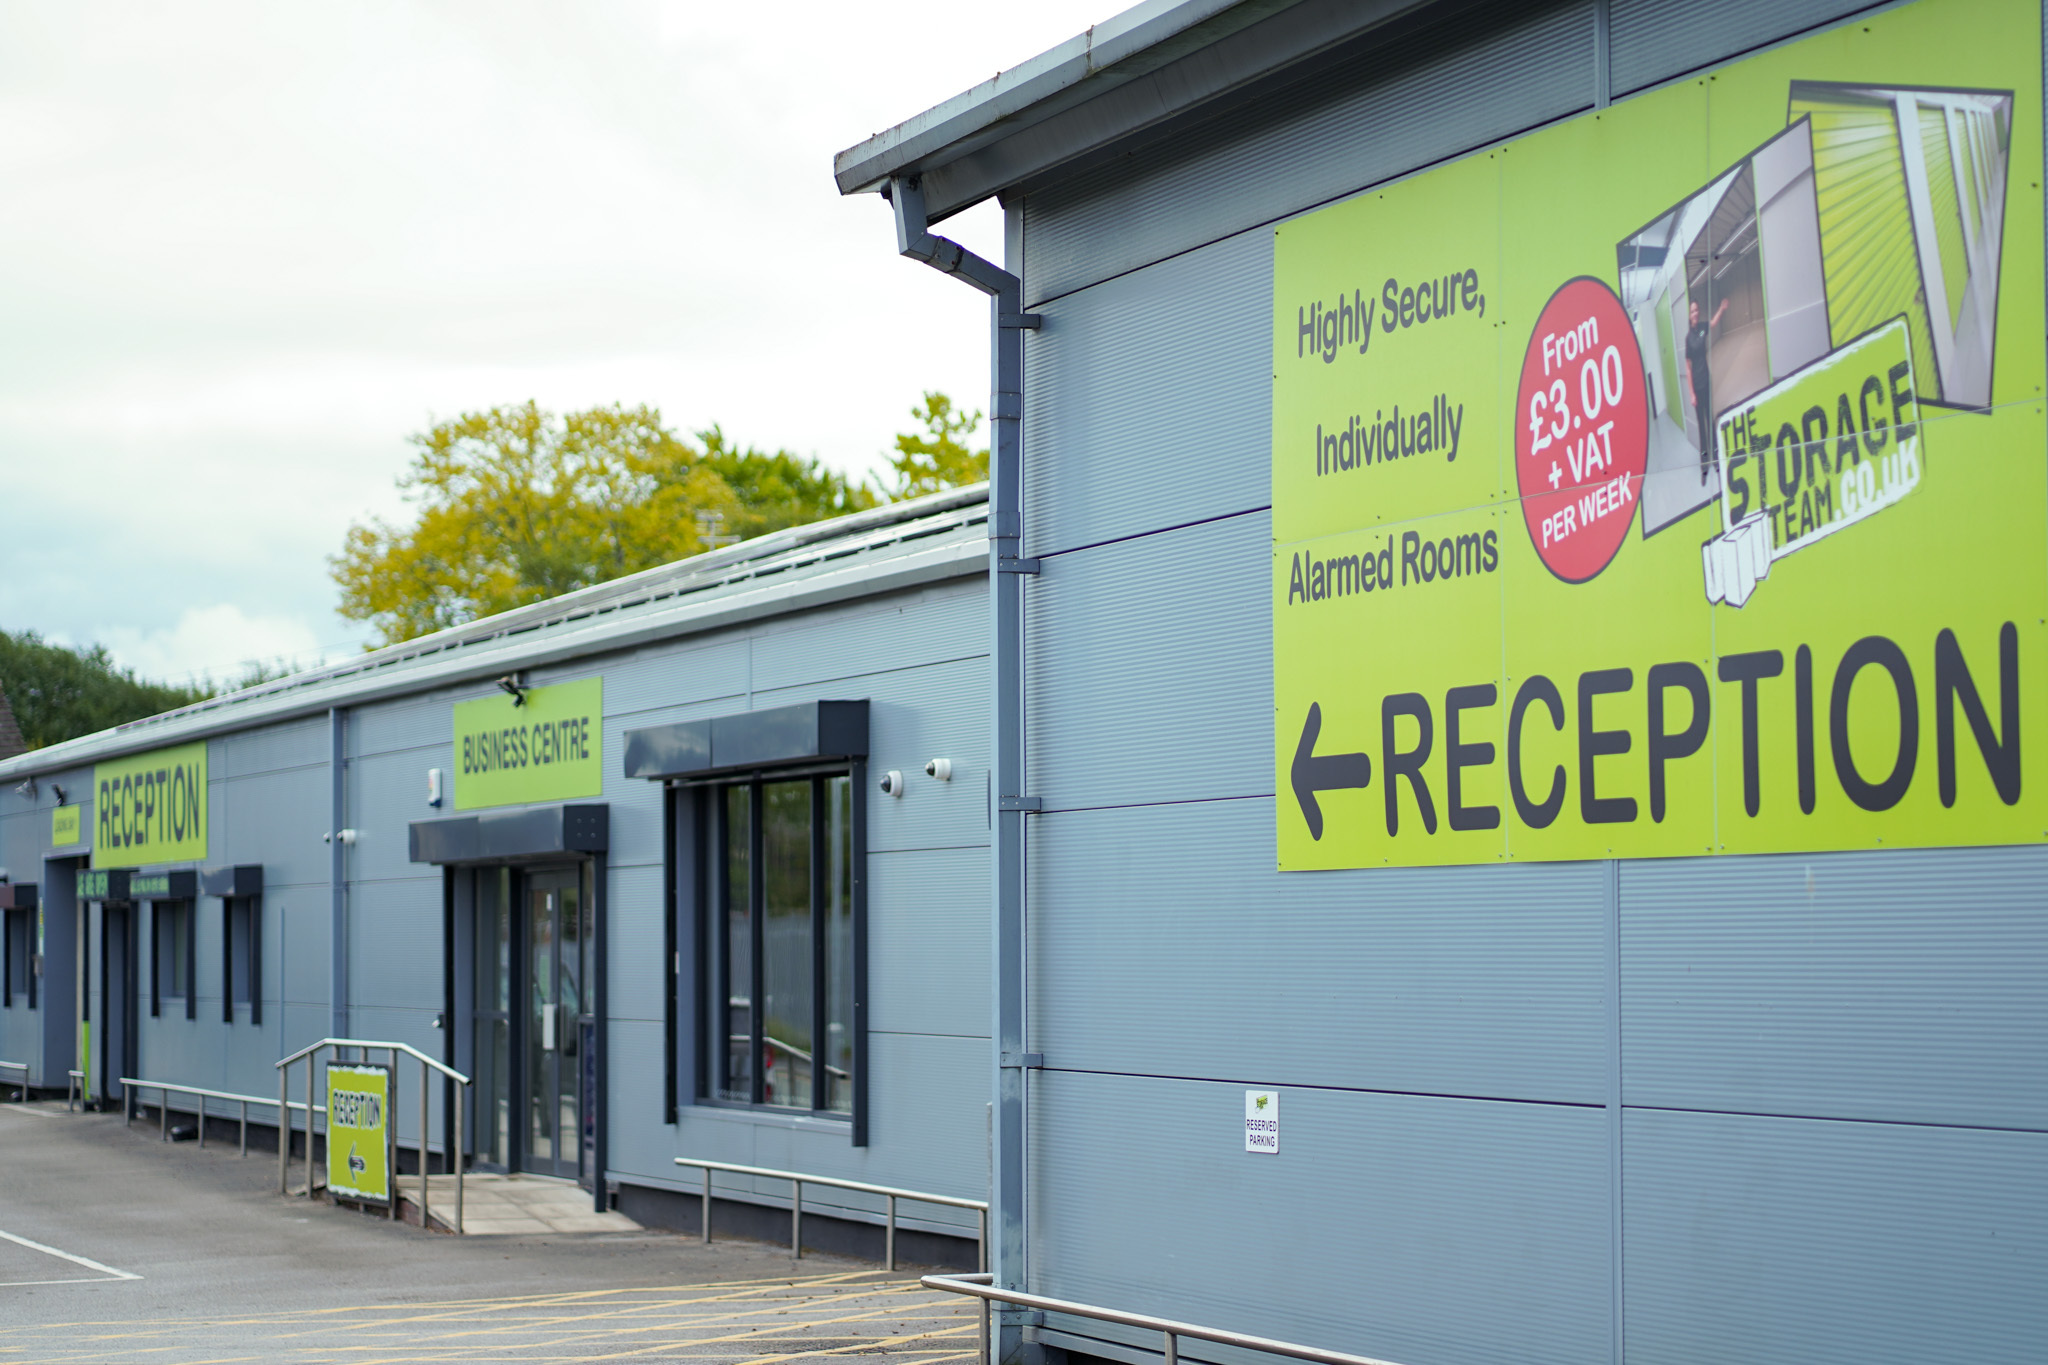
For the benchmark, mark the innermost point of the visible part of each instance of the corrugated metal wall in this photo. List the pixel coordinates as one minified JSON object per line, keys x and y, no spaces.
{"x":1770,"y":1109}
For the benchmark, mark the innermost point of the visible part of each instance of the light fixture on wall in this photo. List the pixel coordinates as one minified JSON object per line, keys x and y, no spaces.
{"x":510,"y":683}
{"x":62,"y":795}
{"x":434,"y":787}
{"x":26,"y":788}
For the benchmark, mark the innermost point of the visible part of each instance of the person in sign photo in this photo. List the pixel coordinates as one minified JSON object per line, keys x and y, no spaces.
{"x":1696,"y":374}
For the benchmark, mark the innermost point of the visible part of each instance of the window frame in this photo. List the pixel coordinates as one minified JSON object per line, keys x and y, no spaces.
{"x":251,"y":908}
{"x":163,"y":983}
{"x":699,"y":877}
{"x":20,"y":957}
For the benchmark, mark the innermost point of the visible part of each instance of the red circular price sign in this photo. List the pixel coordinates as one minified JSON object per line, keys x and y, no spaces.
{"x":1582,"y":429}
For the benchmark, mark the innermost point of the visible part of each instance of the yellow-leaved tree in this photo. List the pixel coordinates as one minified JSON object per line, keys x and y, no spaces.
{"x":517,"y":505}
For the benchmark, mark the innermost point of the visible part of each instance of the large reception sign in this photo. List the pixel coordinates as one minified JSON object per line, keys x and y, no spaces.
{"x":150,"y":808}
{"x":1671,"y":481}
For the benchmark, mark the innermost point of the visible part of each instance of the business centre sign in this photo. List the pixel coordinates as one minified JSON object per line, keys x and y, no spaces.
{"x":1671,"y":481}
{"x":541,"y":744}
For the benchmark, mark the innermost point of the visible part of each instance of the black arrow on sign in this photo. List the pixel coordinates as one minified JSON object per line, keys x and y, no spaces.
{"x":1311,"y":774}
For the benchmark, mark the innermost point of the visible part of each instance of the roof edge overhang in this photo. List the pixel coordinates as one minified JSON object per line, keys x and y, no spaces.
{"x":935,"y":561}
{"x":1151,"y":64}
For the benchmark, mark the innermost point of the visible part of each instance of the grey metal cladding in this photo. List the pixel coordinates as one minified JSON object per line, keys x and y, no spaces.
{"x":1406,"y":1227}
{"x":1653,"y":40}
{"x":928,"y":941}
{"x":929,"y":1122}
{"x":293,"y":744}
{"x":875,"y":635}
{"x":1751,"y":1238}
{"x":1454,"y":82}
{"x":1147,"y":399}
{"x":1151,"y":672}
{"x":634,"y":906}
{"x":1476,"y":981}
{"x":1904,"y":985}
{"x":671,"y":673}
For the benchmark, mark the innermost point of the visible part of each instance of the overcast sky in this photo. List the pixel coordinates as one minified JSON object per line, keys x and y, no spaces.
{"x":246,"y":249}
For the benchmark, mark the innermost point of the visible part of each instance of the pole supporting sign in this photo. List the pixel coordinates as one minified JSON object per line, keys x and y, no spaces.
{"x":359,"y":1132}
{"x":1669,"y":481}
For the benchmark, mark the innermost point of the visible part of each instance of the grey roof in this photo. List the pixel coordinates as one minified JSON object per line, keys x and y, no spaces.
{"x":943,"y":535}
{"x":1153,"y":63}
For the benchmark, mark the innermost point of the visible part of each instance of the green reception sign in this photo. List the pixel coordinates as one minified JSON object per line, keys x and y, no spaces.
{"x":150,"y":808}
{"x":358,"y":1132}
{"x":66,"y":827}
{"x":1670,"y":481}
{"x":545,"y":745}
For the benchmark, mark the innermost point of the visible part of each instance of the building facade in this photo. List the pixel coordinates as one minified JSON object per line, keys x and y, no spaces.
{"x":623,"y":858}
{"x":1707,"y":1019}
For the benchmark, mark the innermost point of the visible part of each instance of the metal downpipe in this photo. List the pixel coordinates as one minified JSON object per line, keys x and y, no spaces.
{"x":1007,"y":571}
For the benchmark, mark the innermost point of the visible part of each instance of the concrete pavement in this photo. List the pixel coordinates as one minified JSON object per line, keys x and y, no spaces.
{"x":115,"y":1246}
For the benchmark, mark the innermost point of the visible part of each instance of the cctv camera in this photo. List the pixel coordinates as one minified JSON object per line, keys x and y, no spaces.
{"x":941,"y":768}
{"x":892,"y":783}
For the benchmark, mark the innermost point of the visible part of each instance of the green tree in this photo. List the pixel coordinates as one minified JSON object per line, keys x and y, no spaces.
{"x":938,"y":457}
{"x":59,"y":693}
{"x":517,"y":506}
{"x":779,"y":489}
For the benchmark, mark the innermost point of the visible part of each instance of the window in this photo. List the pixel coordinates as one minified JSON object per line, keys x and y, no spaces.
{"x":172,"y":968}
{"x":16,"y":972}
{"x":779,"y":930}
{"x":242,"y":961}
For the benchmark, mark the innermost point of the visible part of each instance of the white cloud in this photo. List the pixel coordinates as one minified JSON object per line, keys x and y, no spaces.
{"x":217,"y":642}
{"x":246,"y":248}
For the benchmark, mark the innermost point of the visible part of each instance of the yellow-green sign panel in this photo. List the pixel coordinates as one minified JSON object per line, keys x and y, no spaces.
{"x":150,"y":808}
{"x":1670,"y":481}
{"x":358,"y":1129}
{"x":545,"y":745}
{"x":66,"y":826}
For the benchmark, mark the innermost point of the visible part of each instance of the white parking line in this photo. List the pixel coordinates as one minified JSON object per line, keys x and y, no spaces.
{"x":25,"y":1111}
{"x":107,"y":1272}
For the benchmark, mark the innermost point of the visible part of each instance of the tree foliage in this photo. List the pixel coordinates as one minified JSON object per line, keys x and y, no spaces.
{"x":939,"y":456}
{"x":60,"y":693}
{"x":777,"y":490}
{"x":518,"y":505}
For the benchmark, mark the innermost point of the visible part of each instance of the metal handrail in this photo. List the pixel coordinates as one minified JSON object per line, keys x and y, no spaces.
{"x":22,"y":1067}
{"x":799,"y":1179}
{"x":982,"y":1287}
{"x":163,"y":1108}
{"x":365,"y":1045}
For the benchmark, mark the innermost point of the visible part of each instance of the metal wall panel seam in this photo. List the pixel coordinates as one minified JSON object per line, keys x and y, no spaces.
{"x":1610,"y":923}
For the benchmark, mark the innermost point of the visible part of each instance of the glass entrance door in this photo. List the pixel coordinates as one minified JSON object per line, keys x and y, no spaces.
{"x":557,"y":946}
{"x":117,"y":997}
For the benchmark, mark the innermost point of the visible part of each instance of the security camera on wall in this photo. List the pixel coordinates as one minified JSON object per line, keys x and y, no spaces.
{"x":892,"y":783}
